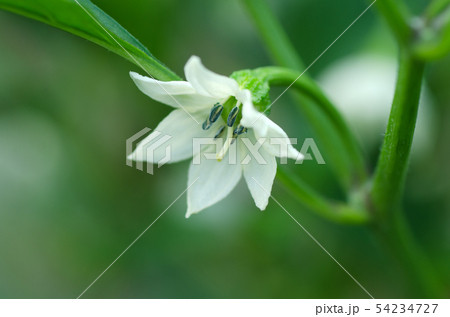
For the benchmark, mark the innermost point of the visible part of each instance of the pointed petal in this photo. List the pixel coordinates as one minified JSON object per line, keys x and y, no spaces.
{"x":208,"y":83}
{"x":215,"y":180}
{"x":277,"y":142}
{"x":260,"y":176}
{"x":252,"y":118}
{"x":172,"y":140}
{"x":178,"y":94}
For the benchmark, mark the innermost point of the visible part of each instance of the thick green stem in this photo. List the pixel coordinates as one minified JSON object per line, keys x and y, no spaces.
{"x":397,"y":16}
{"x":284,"y":76}
{"x":396,"y":237}
{"x":333,"y":211}
{"x":393,"y":161}
{"x":389,"y":179}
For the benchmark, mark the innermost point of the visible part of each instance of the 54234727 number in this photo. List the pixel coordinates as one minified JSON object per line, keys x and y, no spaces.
{"x":406,"y":309}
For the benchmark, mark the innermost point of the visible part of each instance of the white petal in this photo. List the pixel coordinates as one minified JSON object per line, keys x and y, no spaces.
{"x":172,"y":140}
{"x":277,"y":142}
{"x":178,"y":94}
{"x":260,"y":176}
{"x":208,"y":83}
{"x":252,"y":118}
{"x":214,"y":180}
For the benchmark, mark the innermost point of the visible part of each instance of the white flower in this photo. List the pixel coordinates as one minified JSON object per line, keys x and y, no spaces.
{"x":225,"y":112}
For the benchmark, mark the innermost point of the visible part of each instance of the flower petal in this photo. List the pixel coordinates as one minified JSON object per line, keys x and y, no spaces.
{"x":260,"y":176}
{"x":178,"y":94}
{"x":172,"y":140}
{"x":252,"y":118}
{"x":277,"y":142}
{"x":208,"y":83}
{"x":213,"y":181}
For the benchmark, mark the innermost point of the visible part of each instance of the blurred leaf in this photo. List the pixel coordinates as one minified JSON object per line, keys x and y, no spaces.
{"x":85,"y":19}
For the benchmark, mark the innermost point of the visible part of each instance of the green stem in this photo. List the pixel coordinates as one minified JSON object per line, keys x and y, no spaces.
{"x":397,"y":238}
{"x":391,"y":171}
{"x":390,"y":174}
{"x":328,"y":139}
{"x":333,"y":211}
{"x":276,"y":40}
{"x":284,"y":76}
{"x":393,"y":161}
{"x":397,"y":16}
{"x":284,"y":54}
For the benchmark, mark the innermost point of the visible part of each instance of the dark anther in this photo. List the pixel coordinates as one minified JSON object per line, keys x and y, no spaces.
{"x":215,"y":113}
{"x":207,"y":124}
{"x":219,"y":132}
{"x":232,"y":116}
{"x":239,"y":130}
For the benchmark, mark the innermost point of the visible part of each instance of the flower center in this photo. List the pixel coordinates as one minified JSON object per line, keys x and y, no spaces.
{"x":233,"y":127}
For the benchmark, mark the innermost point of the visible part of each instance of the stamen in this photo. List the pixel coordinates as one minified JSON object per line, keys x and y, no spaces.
{"x":226,"y":146}
{"x":232,"y":116}
{"x":207,"y":124}
{"x":215,"y":113}
{"x":239,"y":130}
{"x":219,"y":132}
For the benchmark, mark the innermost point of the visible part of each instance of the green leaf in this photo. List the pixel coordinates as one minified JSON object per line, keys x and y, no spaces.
{"x":85,"y":19}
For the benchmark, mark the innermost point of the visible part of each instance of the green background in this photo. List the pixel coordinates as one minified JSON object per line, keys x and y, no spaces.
{"x":69,"y":205}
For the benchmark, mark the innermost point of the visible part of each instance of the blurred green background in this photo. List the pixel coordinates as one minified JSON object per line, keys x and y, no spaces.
{"x":69,"y":205}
